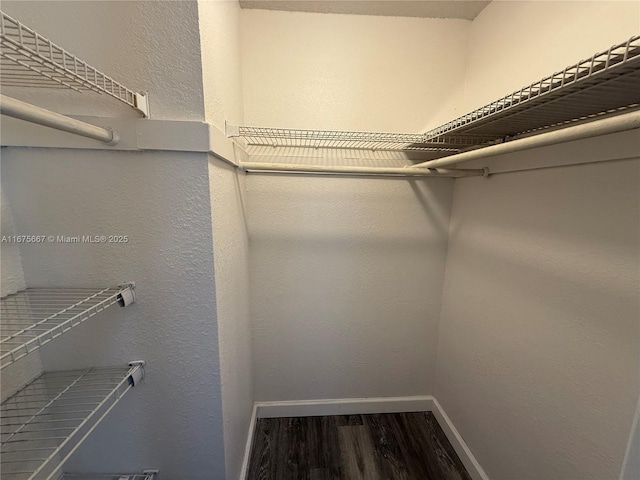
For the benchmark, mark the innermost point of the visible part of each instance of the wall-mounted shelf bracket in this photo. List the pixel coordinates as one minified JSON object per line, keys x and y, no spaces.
{"x":141,"y":103}
{"x":137,"y":372}
{"x":128,"y":294}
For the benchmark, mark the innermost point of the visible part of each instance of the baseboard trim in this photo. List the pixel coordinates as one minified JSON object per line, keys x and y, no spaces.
{"x":344,"y":406}
{"x":457,"y":442}
{"x":244,"y":470}
{"x":354,"y":406}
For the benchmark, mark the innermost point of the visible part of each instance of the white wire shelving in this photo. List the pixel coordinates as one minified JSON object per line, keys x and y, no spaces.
{"x":46,"y":421}
{"x":606,"y":83}
{"x":381,"y":141}
{"x":28,"y":59}
{"x":34,"y":317}
{"x":145,"y":475}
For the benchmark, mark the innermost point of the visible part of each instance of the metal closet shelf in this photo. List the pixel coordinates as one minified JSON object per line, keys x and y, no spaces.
{"x":35,"y":316}
{"x":44,"y":423}
{"x":30,"y":60}
{"x":382,"y":141}
{"x":145,"y":475}
{"x":606,"y":83}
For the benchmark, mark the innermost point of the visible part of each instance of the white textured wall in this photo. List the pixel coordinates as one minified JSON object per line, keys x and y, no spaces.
{"x":149,"y":46}
{"x":11,"y":269}
{"x":172,"y":420}
{"x":16,"y":375}
{"x":539,"y":340}
{"x":351,"y":72}
{"x":346,"y":273}
{"x":222,"y":83}
{"x":515,"y":43}
{"x":221,"y":61}
{"x":231,"y":259}
{"x":346,"y":278}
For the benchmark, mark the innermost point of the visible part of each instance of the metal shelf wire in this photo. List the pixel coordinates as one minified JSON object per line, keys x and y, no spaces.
{"x":147,"y":475}
{"x":48,"y":419}
{"x":382,"y":141}
{"x":28,"y":59}
{"x":35,"y":316}
{"x":604,"y":83}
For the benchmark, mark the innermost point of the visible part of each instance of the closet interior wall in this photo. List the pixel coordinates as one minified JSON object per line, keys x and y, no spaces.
{"x":232,"y":299}
{"x":538,"y":346}
{"x":351,"y":72}
{"x":512,"y":299}
{"x":12,"y":280}
{"x":222,"y":85}
{"x":161,"y":201}
{"x":539,"y":340}
{"x":346,"y":273}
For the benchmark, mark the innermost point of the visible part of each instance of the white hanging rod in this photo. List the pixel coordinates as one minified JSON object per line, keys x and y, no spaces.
{"x":619,"y":123}
{"x":353,"y":170}
{"x":25,"y":111}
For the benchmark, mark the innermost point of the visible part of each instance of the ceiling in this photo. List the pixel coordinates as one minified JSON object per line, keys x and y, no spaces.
{"x":391,"y":8}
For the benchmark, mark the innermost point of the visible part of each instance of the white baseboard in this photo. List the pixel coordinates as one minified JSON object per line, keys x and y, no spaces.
{"x":344,"y":406}
{"x":244,"y":470}
{"x":355,"y":406}
{"x":457,"y":442}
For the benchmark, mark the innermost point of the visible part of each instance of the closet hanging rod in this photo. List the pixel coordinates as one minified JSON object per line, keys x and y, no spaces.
{"x":30,"y":113}
{"x":355,"y":170}
{"x":618,"y":123}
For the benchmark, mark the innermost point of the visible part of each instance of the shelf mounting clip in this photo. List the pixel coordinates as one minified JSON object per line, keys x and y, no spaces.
{"x":127,"y":296}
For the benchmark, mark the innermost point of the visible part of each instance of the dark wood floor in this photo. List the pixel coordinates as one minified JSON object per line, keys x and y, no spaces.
{"x":399,"y":446}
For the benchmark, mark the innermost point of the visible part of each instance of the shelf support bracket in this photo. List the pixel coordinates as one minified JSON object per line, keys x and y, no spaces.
{"x":127,"y":296}
{"x":137,"y":371}
{"x":141,"y":103}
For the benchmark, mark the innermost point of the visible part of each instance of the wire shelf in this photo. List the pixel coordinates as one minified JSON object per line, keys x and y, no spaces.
{"x":151,"y":475}
{"x":606,"y":82}
{"x":28,"y":59}
{"x":48,"y":419}
{"x":290,"y":137}
{"x":35,"y":316}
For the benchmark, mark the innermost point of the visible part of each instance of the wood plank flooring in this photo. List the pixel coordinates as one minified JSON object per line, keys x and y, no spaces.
{"x":398,"y":446}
